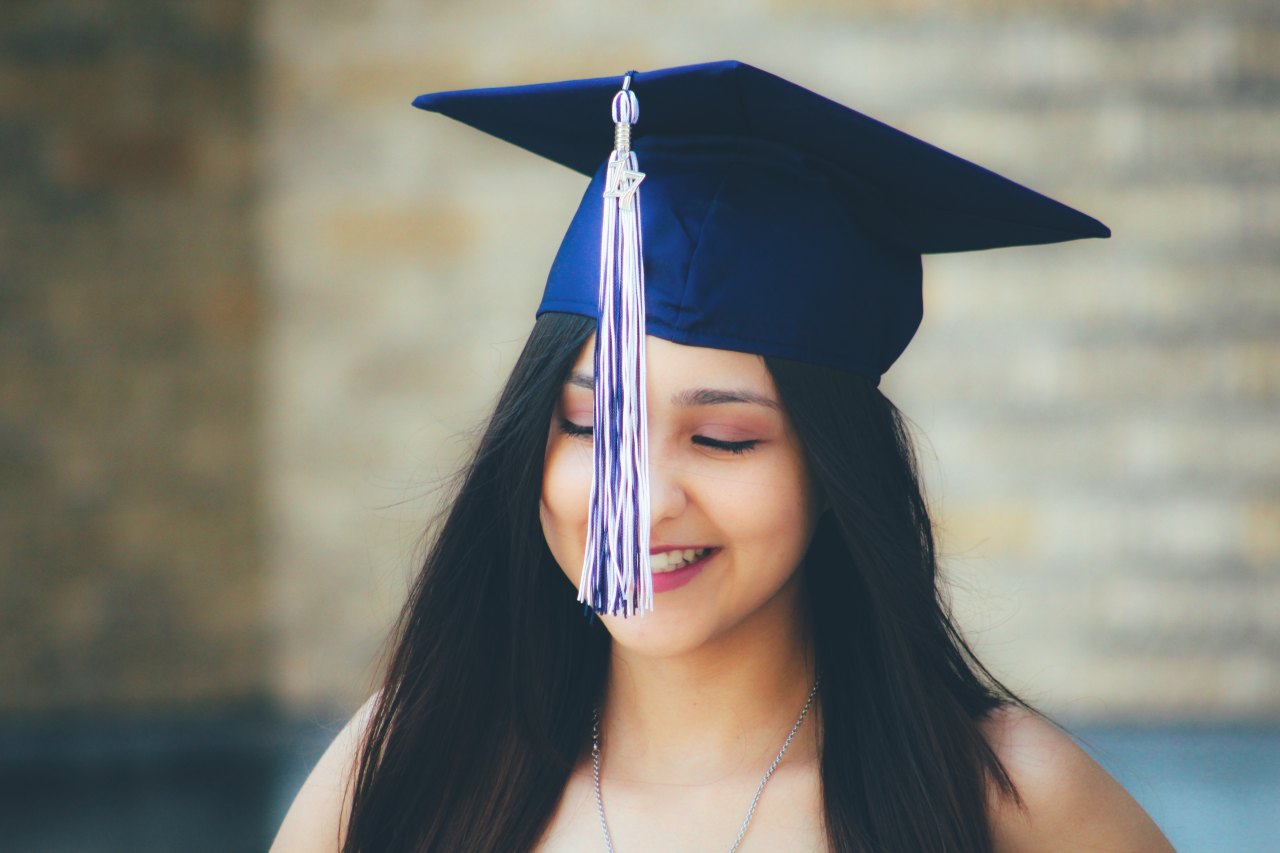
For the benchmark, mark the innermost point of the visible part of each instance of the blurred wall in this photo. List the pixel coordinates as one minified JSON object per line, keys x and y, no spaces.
{"x":131,"y":574}
{"x":1101,"y":417}
{"x":252,"y":301}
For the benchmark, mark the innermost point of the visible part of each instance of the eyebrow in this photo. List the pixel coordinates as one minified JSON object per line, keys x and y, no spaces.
{"x":695,"y":396}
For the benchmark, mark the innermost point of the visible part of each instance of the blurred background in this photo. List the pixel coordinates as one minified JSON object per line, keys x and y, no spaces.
{"x":251,"y":303}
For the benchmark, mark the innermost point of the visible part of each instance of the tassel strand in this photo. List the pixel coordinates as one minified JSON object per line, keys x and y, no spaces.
{"x":616,"y":574}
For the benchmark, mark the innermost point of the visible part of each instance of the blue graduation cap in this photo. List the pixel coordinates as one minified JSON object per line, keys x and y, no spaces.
{"x":776,"y":221}
{"x":742,"y":212}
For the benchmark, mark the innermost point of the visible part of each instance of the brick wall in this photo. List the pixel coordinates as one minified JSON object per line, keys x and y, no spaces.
{"x":253,"y":301}
{"x":1105,"y":416}
{"x":129,"y":514}
{"x":1100,"y":418}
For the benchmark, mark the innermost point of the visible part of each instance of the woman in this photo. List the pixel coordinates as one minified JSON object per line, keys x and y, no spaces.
{"x":776,"y":670}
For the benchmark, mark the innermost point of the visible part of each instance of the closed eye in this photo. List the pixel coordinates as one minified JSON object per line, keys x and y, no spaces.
{"x":735,"y":447}
{"x":568,"y":427}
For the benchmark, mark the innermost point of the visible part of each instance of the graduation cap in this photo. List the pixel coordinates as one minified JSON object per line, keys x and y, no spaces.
{"x":743,"y":212}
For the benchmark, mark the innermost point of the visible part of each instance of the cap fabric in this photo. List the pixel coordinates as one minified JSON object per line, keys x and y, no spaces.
{"x":775,"y":221}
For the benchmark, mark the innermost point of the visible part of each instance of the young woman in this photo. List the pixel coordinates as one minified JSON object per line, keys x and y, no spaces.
{"x":798,"y":684}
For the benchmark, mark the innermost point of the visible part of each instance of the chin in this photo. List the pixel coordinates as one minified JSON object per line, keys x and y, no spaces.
{"x":662,"y":632}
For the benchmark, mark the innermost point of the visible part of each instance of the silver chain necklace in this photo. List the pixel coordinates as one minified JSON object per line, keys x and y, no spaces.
{"x":595,"y":765}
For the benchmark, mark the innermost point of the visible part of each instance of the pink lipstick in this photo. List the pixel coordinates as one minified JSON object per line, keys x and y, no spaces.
{"x":667,"y":581}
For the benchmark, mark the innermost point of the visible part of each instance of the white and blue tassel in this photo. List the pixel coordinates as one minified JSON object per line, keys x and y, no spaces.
{"x":616,"y":574}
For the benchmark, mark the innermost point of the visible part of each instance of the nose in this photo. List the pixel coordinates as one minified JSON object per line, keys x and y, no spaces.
{"x":667,"y":498}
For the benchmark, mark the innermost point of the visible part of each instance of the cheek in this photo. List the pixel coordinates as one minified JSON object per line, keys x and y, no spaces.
{"x":775,"y":522}
{"x":566,"y":497}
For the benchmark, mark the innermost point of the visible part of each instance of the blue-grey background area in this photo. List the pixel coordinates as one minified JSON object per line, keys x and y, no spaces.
{"x":224,"y":785}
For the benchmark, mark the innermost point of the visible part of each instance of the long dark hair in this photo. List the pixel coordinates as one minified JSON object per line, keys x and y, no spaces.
{"x":486,"y":704}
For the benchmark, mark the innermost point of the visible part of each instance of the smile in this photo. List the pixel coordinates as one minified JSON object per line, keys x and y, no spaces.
{"x":679,"y":567}
{"x":670,"y":561}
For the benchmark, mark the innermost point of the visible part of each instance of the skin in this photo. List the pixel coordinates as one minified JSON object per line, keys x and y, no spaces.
{"x":722,"y":473}
{"x":702,"y":691}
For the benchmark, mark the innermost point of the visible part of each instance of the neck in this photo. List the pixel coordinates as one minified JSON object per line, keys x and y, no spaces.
{"x":722,"y":709}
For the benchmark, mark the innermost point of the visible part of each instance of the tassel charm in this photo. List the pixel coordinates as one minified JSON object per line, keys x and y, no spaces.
{"x":616,"y":575}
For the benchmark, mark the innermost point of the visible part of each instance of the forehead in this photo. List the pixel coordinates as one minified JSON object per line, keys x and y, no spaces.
{"x":669,"y":363}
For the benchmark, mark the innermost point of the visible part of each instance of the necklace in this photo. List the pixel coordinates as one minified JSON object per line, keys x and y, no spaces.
{"x":595,"y":765}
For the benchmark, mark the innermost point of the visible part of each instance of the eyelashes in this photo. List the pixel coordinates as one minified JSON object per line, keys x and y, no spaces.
{"x":568,"y":427}
{"x":737,"y":448}
{"x":734,"y":447}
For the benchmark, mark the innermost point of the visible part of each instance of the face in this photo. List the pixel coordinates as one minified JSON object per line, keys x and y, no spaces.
{"x":726,"y":476}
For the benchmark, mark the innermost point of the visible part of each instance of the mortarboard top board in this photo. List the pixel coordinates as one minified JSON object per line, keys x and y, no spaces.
{"x":775,"y":221}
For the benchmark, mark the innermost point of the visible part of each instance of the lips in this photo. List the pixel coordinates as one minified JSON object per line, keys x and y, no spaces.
{"x":673,"y":578}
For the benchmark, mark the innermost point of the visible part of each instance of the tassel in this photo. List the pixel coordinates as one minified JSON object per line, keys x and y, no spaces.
{"x":616,"y":575}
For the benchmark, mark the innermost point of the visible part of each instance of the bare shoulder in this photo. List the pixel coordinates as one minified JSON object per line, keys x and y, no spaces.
{"x":317,"y":819}
{"x":1069,"y":803}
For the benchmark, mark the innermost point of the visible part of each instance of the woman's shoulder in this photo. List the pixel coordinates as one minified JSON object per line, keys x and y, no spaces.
{"x":317,"y":819}
{"x":1066,"y":801}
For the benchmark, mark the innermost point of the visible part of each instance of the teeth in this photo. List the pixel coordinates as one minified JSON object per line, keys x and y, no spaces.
{"x":669,"y":561}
